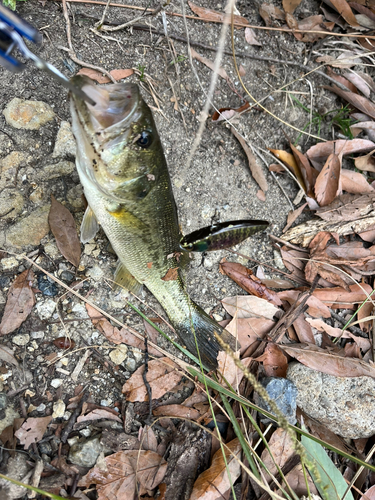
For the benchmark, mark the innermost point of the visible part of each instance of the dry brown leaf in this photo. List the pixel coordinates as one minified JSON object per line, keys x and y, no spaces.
{"x":345,"y":11}
{"x":245,"y":278}
{"x":308,"y":173}
{"x":321,"y":326}
{"x":290,"y":162}
{"x":251,"y":38}
{"x":162,"y":376}
{"x":120,"y":74}
{"x":176,"y":411}
{"x":328,"y":181}
{"x":355,"y":182}
{"x":331,"y":363}
{"x":359,"y":82}
{"x":319,"y":153}
{"x":339,"y":298}
{"x":255,"y":168}
{"x":98,"y":414}
{"x":248,"y":306}
{"x":64,"y":229}
{"x":368,"y":236}
{"x":32,"y":430}
{"x":355,"y":100}
{"x":293,"y":216}
{"x":214,"y":482}
{"x":303,"y":330}
{"x":113,"y":334}
{"x":210,"y":64}
{"x":316,"y":307}
{"x":368,"y":127}
{"x":341,"y":80}
{"x":274,"y":361}
{"x":291,"y":5}
{"x":269,"y":13}
{"x":282,"y":449}
{"x":369,"y":494}
{"x":20,"y":301}
{"x":348,"y":207}
{"x":313,"y":23}
{"x":248,"y":330}
{"x":147,"y":438}
{"x":215,"y":16}
{"x":117,"y":477}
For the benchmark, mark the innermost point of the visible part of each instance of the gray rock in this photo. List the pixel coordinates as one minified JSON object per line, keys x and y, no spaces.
{"x":17,"y":468}
{"x":11,"y":203}
{"x":29,"y":115}
{"x":56,"y":382}
{"x":30,"y":230}
{"x":284,"y":393}
{"x":3,"y":400}
{"x":58,"y":170}
{"x":345,"y":405}
{"x":65,"y":144}
{"x":85,"y":453}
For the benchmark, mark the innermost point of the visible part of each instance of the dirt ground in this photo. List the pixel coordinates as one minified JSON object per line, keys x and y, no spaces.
{"x":217,"y":180}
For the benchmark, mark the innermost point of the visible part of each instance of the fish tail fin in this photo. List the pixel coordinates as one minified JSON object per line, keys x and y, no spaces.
{"x":198,"y":333}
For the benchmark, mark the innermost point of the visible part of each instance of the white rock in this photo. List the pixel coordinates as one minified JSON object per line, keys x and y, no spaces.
{"x":119,"y":354}
{"x":21,"y":339}
{"x":9,"y":263}
{"x":45,"y":308}
{"x":80,"y":311}
{"x":56,"y":382}
{"x":58,"y":409}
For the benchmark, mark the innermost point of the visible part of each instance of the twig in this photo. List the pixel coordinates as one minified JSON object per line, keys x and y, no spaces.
{"x":177,"y":104}
{"x":148,"y":387}
{"x":73,"y":418}
{"x":352,"y":329}
{"x":286,"y":243}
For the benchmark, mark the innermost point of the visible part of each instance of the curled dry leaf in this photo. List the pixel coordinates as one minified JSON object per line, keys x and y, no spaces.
{"x":118,"y":74}
{"x":162,"y":376}
{"x":98,"y":414}
{"x":322,"y":326}
{"x":290,"y":162}
{"x":327,"y":185}
{"x":290,"y":5}
{"x":32,"y":430}
{"x":327,"y":362}
{"x":245,"y":278}
{"x":118,"y":476}
{"x":269,"y":13}
{"x":147,"y":438}
{"x":20,"y":301}
{"x":308,"y":173}
{"x":214,"y":482}
{"x":274,"y":361}
{"x":247,"y":306}
{"x":6,"y":355}
{"x":313,"y":23}
{"x":367,"y":126}
{"x":64,"y":229}
{"x":255,"y":168}
{"x":354,"y":182}
{"x":317,"y":309}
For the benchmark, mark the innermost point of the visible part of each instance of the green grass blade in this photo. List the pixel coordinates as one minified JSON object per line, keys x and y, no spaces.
{"x":331,"y":486}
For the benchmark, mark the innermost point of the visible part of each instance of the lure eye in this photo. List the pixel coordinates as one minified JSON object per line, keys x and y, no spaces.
{"x":145,"y":139}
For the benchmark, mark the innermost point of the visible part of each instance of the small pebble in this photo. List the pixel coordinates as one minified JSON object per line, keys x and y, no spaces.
{"x":41,"y":408}
{"x":85,"y":453}
{"x":3,"y":400}
{"x":119,"y":354}
{"x":67,"y":276}
{"x":21,"y":339}
{"x":46,"y":285}
{"x":9,"y":263}
{"x":56,"y":382}
{"x":45,"y":308}
{"x":58,"y":409}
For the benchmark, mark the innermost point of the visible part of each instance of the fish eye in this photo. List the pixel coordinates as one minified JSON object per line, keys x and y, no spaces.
{"x":145,"y":139}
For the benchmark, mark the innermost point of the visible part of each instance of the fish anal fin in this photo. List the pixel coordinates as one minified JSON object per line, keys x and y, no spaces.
{"x":89,"y":226}
{"x":123,"y":278}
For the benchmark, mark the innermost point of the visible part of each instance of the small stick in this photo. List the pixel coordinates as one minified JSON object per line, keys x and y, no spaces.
{"x":148,"y":387}
{"x":73,"y":417}
{"x":352,"y":329}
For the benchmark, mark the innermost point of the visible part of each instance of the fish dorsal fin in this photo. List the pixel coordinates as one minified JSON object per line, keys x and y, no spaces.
{"x":126,"y":280}
{"x":89,"y":226}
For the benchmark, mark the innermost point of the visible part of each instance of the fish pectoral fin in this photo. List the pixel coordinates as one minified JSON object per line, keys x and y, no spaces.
{"x":89,"y":226}
{"x":123,"y":278}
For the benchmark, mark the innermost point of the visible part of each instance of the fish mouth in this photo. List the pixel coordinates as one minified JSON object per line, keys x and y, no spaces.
{"x":115,"y":104}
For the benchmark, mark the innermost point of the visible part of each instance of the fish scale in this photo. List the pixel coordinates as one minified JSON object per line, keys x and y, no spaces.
{"x":129,"y":193}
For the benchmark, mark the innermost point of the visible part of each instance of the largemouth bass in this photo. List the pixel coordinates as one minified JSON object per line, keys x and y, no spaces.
{"x":124,"y":174}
